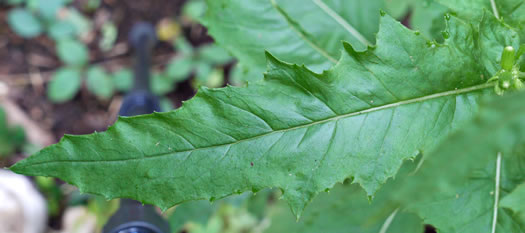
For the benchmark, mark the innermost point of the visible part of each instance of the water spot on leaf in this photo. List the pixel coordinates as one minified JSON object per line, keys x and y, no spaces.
{"x":150,"y":173}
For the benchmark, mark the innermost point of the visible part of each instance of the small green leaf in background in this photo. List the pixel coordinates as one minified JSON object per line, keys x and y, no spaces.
{"x":11,"y":138}
{"x":179,"y":69}
{"x":202,"y":72}
{"x":49,"y":8}
{"x":194,"y":9}
{"x":52,"y":192}
{"x":214,"y":54}
{"x":160,"y":84}
{"x":109,"y":36}
{"x":60,"y":29}
{"x":82,"y":24}
{"x":17,"y":135}
{"x":3,"y":120}
{"x":24,"y":23}
{"x":99,"y":83}
{"x":72,"y":52}
{"x":123,"y":80}
{"x":102,"y":209}
{"x":64,"y":85}
{"x":183,"y":46}
{"x":195,"y":211}
{"x":240,"y":75}
{"x":166,"y":105}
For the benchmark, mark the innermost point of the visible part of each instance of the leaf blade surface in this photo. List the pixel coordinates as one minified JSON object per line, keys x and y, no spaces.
{"x":297,"y":130}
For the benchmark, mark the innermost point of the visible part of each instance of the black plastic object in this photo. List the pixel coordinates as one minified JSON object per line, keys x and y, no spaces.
{"x":132,"y":216}
{"x":141,"y":100}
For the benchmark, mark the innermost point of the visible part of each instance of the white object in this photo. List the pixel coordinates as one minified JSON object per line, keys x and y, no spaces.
{"x":22,"y":208}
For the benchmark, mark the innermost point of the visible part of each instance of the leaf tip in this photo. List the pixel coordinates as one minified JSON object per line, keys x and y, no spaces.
{"x":270,"y":58}
{"x":17,"y":167}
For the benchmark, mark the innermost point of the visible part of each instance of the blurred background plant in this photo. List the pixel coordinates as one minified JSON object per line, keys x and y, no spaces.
{"x":11,"y":138}
{"x":73,"y":32}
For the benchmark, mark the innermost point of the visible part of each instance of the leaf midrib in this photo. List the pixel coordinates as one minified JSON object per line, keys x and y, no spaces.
{"x":334,"y":118}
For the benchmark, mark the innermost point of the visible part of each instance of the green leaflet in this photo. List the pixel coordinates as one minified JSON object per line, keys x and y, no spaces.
{"x":298,"y":131}
{"x":297,"y":31}
{"x":459,"y":179}
{"x":344,"y":209}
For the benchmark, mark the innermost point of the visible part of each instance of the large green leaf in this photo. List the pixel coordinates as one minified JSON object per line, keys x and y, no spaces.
{"x":472,"y":170}
{"x":297,"y":130}
{"x":298,"y":31}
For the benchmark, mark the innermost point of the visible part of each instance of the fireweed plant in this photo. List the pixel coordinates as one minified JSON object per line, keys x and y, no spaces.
{"x":446,"y":119}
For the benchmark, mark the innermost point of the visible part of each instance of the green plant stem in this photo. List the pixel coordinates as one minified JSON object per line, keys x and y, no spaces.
{"x":342,"y":22}
{"x":496,"y":193}
{"x":388,"y":221}
{"x":494,"y":8}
